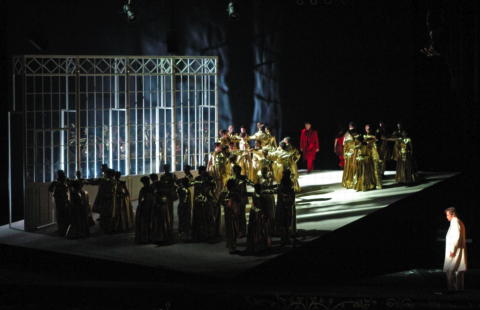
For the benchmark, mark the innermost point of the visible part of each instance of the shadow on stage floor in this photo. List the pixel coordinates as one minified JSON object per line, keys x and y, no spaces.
{"x":352,"y":251}
{"x":330,"y":219}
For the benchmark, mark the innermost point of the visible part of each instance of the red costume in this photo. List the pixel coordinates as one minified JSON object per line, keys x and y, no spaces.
{"x":339,"y":151}
{"x":309,"y":146}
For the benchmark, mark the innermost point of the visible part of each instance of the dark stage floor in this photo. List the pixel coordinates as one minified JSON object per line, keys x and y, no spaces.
{"x":330,"y":268}
{"x":322,"y":207}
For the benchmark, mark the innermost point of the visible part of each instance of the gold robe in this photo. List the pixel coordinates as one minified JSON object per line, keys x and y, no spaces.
{"x":271,"y":143}
{"x":257,"y":158}
{"x":218,"y":168}
{"x":396,"y":136}
{"x":280,"y":160}
{"x":406,"y":172}
{"x":371,"y":141}
{"x":244,"y":160}
{"x":225,"y":141}
{"x":243,"y":144}
{"x":266,"y":140}
{"x":294,"y":158}
{"x":234,"y":141}
{"x":283,"y":159}
{"x":349,"y":153}
{"x":364,"y":176}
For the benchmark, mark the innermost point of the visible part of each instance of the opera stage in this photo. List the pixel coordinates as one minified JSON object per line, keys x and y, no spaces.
{"x":323,"y":207}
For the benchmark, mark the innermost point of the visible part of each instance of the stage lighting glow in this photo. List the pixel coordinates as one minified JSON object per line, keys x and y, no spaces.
{"x":127,"y":9}
{"x":232,"y":10}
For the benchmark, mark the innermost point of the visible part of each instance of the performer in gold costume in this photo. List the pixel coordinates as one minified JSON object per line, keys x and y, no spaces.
{"x":406,"y":172}
{"x":281,"y":160}
{"x":224,"y":138}
{"x":349,"y":152}
{"x":240,"y":187}
{"x":217,"y":167}
{"x":234,"y":139}
{"x":264,"y":137}
{"x":364,"y":175}
{"x":367,"y":173}
{"x":272,"y":141}
{"x":265,"y":179}
{"x":395,"y":137}
{"x":258,"y":158}
{"x":244,"y":159}
{"x":295,"y":157}
{"x":284,"y":159}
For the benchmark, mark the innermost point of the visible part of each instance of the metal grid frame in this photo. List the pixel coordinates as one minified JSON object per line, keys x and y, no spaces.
{"x":132,"y":112}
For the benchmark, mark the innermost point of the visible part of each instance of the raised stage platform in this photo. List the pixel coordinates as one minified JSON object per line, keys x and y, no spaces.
{"x":323,"y":207}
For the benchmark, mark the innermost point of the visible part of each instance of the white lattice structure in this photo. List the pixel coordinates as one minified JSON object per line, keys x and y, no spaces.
{"x":133,"y":113}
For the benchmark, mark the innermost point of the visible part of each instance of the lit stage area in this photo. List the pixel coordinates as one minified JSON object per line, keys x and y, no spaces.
{"x":324,"y":210}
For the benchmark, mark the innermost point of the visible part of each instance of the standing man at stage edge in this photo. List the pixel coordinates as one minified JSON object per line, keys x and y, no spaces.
{"x":455,"y":252}
{"x":309,"y":145}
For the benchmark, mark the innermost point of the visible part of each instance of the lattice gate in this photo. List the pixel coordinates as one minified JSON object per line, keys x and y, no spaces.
{"x":133,"y":113}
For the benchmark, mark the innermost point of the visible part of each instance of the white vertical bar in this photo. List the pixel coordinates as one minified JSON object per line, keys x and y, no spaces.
{"x":216,"y":97}
{"x":143,"y":123}
{"x":52,"y":148}
{"x":157,"y":136}
{"x":202,"y":102}
{"x":87,"y":129}
{"x":62,"y":143}
{"x":117,"y":113}
{"x":110,"y":122}
{"x":110,"y":155}
{"x":157,"y":123}
{"x":189,"y":140}
{"x":164,"y":123}
{"x":95,"y":126}
{"x":197,"y":156}
{"x":182,"y":123}
{"x":126,"y":87}
{"x":151,"y":122}
{"x":136,"y":128}
{"x":173,"y":119}
{"x":207,"y":78}
{"x":103,"y":122}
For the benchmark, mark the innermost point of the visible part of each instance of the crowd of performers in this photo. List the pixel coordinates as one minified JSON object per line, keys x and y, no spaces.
{"x":233,"y":165}
{"x":72,"y":206}
{"x":364,"y":156}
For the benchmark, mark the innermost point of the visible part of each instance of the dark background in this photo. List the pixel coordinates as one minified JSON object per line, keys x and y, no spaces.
{"x":285,"y":62}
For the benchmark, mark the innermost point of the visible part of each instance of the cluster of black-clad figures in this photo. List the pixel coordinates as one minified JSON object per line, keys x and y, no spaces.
{"x":199,"y":209}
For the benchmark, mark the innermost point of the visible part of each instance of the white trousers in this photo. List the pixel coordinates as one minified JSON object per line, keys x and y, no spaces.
{"x":455,"y":280}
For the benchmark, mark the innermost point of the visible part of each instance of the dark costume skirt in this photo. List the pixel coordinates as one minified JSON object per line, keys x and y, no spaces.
{"x":258,"y":237}
{"x":203,"y":222}
{"x":160,"y":221}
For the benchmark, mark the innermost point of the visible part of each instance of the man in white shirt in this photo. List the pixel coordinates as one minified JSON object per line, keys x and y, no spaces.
{"x":455,"y":251}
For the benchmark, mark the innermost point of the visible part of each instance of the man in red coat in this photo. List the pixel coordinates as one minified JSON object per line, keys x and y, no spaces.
{"x":309,"y":145}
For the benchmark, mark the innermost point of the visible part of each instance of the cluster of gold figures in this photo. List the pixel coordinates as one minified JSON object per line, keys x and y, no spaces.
{"x":234,"y":149}
{"x":364,"y":156}
{"x":222,"y":183}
